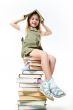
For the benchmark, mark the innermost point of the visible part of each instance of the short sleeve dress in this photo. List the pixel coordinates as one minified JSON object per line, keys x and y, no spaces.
{"x":32,"y":41}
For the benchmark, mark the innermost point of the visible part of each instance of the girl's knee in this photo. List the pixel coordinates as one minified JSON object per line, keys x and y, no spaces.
{"x":44,"y":54}
{"x":53,"y":58}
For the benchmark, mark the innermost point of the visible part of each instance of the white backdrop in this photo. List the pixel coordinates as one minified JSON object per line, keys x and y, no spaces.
{"x":58,"y":16}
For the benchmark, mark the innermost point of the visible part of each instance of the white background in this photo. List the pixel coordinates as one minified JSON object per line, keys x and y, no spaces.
{"x":58,"y":16}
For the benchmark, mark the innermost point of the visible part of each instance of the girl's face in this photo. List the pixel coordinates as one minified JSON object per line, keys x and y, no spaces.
{"x":34,"y":21}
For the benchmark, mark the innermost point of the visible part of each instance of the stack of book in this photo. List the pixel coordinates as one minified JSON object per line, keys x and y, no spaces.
{"x":29,"y":81}
{"x":34,"y":63}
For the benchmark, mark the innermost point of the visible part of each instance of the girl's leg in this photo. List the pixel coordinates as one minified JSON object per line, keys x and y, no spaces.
{"x":44,"y":87}
{"x":44,"y":61}
{"x":55,"y":90}
{"x":48,"y":64}
{"x":52,"y":62}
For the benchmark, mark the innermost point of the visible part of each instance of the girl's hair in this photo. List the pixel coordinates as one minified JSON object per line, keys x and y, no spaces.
{"x":28,"y":20}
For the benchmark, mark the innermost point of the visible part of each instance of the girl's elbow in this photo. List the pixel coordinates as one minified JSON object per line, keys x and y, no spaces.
{"x":14,"y":25}
{"x":49,"y":33}
{"x":11,"y":23}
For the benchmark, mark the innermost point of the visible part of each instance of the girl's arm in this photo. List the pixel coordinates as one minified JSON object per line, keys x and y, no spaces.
{"x":47,"y":30}
{"x":15,"y":23}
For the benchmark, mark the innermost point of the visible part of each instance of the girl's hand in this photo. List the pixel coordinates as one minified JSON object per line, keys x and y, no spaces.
{"x":47,"y":30}
{"x":42,"y":22}
{"x":23,"y":17}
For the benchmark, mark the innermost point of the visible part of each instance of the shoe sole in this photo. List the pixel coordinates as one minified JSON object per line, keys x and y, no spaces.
{"x":60,"y":96}
{"x":49,"y":97}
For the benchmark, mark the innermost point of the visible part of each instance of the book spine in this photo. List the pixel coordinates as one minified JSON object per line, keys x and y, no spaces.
{"x":23,"y":80}
{"x":29,"y":76}
{"x":28,"y":85}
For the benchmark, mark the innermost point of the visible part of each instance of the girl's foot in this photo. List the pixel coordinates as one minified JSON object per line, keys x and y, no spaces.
{"x":44,"y":88}
{"x":54,"y":89}
{"x":25,"y":68}
{"x":57,"y":92}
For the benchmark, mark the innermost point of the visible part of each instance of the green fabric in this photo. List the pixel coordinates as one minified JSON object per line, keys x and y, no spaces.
{"x":31,"y":41}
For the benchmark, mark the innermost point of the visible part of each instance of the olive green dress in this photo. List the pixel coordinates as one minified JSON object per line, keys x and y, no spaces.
{"x":31,"y":41}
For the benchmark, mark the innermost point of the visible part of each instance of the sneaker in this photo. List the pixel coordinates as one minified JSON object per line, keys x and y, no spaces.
{"x":26,"y":67}
{"x":44,"y":88}
{"x":54,"y":89}
{"x":57,"y":92}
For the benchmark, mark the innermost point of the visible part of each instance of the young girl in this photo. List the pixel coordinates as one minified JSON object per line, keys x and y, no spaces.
{"x":31,"y":46}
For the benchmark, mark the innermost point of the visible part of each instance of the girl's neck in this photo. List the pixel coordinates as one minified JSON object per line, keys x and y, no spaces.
{"x":32,"y":27}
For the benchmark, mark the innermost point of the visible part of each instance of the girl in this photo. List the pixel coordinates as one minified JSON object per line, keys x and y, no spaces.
{"x":31,"y":46}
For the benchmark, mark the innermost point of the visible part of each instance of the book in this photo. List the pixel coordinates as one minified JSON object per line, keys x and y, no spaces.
{"x":29,"y":89}
{"x":20,"y":107}
{"x":35,"y":11}
{"x":32,"y":98}
{"x":34,"y":64}
{"x":30,"y":103}
{"x":30,"y":93}
{"x":34,"y":61}
{"x":23,"y":85}
{"x":35,"y":67}
{"x":29,"y":76}
{"x":33,"y":72}
{"x":31,"y":58}
{"x":28,"y":80}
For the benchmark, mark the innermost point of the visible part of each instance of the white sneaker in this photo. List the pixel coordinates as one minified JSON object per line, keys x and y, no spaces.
{"x":44,"y":88}
{"x":54,"y":89}
{"x":25,"y":68}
